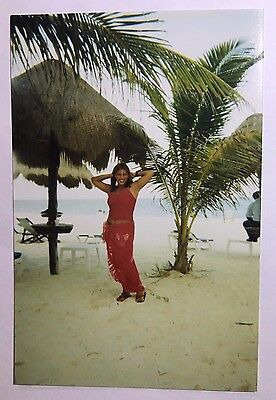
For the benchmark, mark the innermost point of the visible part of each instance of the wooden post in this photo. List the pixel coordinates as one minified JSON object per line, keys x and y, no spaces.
{"x":54,"y":159}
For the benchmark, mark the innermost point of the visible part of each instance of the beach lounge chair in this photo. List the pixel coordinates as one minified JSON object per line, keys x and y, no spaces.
{"x":194,"y":241}
{"x":29,"y":235}
{"x":203,"y":243}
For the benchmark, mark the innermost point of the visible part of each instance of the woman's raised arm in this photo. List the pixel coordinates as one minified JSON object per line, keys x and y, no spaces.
{"x":98,"y":182}
{"x":145,"y":176}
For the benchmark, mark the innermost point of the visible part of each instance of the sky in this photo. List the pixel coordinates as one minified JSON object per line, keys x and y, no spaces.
{"x":192,"y":33}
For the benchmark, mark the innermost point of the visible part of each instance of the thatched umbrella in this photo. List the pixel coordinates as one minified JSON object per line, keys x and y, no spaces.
{"x":252,"y":123}
{"x":250,"y":133}
{"x":69,"y":175}
{"x":54,"y":114}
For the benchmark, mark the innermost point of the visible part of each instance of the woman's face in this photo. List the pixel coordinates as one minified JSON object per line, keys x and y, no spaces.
{"x":121,"y":176}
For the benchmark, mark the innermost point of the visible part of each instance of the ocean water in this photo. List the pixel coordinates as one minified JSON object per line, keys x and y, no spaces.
{"x":144,"y":207}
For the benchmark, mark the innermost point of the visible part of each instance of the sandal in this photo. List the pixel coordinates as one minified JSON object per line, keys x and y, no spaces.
{"x":123,"y":296}
{"x":140,"y":298}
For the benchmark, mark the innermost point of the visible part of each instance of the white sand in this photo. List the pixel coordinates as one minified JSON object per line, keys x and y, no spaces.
{"x":187,"y":335}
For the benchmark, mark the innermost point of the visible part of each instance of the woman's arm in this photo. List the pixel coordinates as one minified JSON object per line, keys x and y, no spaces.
{"x":145,"y":176}
{"x":98,"y":182}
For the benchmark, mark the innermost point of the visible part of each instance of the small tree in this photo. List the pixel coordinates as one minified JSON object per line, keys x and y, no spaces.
{"x":200,"y":170}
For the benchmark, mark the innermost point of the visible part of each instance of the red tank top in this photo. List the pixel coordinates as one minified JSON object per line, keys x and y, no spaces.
{"x":121,"y":204}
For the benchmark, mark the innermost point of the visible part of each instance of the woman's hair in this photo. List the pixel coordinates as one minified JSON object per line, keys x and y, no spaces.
{"x":114,"y":172}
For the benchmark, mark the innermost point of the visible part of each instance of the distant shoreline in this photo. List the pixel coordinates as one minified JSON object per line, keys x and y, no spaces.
{"x":145,"y":206}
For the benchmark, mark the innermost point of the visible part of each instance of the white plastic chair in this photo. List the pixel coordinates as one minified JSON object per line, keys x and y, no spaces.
{"x":85,"y":244}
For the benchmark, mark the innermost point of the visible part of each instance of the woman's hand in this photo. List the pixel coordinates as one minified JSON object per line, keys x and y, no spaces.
{"x":133,"y":174}
{"x":138,"y":174}
{"x":145,"y":176}
{"x":98,"y":182}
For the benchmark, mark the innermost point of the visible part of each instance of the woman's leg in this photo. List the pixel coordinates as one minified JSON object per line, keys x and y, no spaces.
{"x":125,"y":269}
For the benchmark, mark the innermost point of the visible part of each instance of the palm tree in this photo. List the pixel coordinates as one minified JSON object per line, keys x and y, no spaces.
{"x":116,"y":45}
{"x":200,"y":170}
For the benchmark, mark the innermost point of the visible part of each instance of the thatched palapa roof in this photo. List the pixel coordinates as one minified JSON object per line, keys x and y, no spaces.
{"x":69,"y":175}
{"x":252,"y":123}
{"x":48,"y":100}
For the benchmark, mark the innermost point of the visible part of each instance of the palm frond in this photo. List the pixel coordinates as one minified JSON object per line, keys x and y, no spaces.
{"x":227,"y":166}
{"x":230,"y":61}
{"x":107,"y":44}
{"x":205,"y":115}
{"x":93,"y":41}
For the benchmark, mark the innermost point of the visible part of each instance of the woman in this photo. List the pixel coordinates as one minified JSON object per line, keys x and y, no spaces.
{"x":119,"y":227}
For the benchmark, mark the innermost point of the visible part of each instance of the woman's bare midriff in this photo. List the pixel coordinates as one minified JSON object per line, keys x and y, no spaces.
{"x":118,"y":221}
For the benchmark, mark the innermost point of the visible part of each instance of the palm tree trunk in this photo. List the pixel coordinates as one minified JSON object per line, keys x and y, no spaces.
{"x":54,"y":159}
{"x":181,"y":261}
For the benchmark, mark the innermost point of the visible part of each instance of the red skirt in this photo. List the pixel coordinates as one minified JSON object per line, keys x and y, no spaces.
{"x":119,"y":244}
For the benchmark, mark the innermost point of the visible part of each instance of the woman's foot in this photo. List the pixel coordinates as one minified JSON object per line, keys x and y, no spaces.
{"x":123,"y":296}
{"x":140,"y":297}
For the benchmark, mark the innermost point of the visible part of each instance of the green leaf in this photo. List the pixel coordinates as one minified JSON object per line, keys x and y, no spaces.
{"x":114,"y":44}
